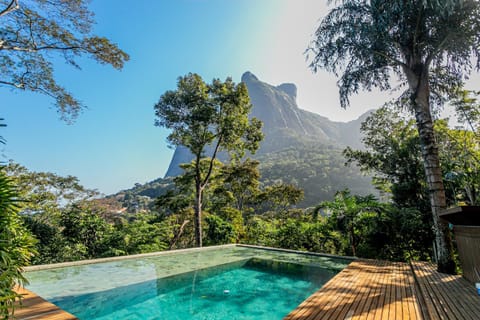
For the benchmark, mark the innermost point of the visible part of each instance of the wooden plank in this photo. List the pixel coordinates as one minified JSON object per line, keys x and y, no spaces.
{"x":372,"y":294}
{"x":339,"y":292}
{"x":382,"y":292}
{"x":35,"y":307}
{"x":457,"y":293}
{"x":451,"y":297}
{"x":414,"y":296}
{"x":426,"y":292}
{"x":403,"y":293}
{"x":366,"y":289}
{"x":446,"y":293}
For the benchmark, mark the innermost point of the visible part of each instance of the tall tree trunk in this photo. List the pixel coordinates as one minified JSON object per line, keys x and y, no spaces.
{"x":421,"y":105}
{"x":352,"y":241}
{"x":198,"y":215}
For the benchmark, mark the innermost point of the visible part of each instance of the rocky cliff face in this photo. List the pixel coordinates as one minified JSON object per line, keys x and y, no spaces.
{"x":284,"y":123}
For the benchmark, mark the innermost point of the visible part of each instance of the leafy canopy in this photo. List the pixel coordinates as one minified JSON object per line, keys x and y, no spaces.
{"x":199,"y":114}
{"x":33,"y":32}
{"x":369,"y":41}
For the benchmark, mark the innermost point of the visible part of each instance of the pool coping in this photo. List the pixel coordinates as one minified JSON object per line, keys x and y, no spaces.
{"x":167,"y":252}
{"x":118,"y":258}
{"x":307,"y":253}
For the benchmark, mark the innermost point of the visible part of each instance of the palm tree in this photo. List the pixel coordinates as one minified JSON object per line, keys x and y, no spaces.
{"x":427,"y":44}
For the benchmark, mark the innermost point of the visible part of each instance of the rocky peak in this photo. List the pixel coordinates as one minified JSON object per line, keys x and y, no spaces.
{"x":248,"y":77}
{"x":290,"y":89}
{"x":285,"y":125}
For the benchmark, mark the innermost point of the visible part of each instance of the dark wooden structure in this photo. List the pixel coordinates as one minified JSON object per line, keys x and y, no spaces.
{"x":466,"y":228}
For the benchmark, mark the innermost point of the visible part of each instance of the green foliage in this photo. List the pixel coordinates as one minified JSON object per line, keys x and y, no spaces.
{"x":278,"y":198}
{"x":140,"y":235}
{"x":50,"y":241}
{"x":16,"y":246}
{"x":394,"y":158}
{"x":314,"y":236}
{"x":35,"y":31}
{"x":395,"y":234}
{"x":219,"y":231}
{"x":467,"y":109}
{"x":345,"y":213}
{"x":460,"y":158}
{"x":83,"y":225}
{"x":203,"y":116}
{"x":261,"y":231}
{"x":237,"y":187}
{"x":45,"y":192}
{"x":319,"y":170}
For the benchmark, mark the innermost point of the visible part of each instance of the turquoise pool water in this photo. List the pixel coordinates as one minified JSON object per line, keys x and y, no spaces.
{"x":226,"y":283}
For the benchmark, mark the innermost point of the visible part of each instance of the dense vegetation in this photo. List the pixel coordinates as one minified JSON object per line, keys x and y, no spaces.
{"x":16,"y":246}
{"x":33,"y":35}
{"x":71,"y":222}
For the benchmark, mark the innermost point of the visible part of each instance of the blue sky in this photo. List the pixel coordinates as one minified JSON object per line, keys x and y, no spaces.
{"x":114,"y":144}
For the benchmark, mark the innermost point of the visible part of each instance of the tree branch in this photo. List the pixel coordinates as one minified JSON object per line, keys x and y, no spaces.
{"x":431,"y":56}
{"x":16,"y":85}
{"x":393,"y":60}
{"x":12,"y":6}
{"x":36,"y":49}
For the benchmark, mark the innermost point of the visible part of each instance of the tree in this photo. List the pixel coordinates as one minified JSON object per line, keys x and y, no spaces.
{"x":392,"y":155}
{"x":346,"y":210}
{"x":467,"y":108}
{"x":46,"y":192}
{"x":427,"y":44}
{"x":460,"y":159}
{"x":208,"y":118}
{"x":238,"y":186}
{"x":32,"y":30}
{"x":279,"y":198}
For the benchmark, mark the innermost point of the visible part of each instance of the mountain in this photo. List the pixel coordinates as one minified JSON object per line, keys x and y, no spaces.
{"x":300,"y":147}
{"x":285,"y":124}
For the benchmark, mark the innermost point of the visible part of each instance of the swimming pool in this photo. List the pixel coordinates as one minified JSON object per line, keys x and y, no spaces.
{"x":227,"y":282}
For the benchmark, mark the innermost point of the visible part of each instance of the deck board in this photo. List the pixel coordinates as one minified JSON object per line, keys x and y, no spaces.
{"x":366,"y":289}
{"x":34,"y":307}
{"x":446,"y":296}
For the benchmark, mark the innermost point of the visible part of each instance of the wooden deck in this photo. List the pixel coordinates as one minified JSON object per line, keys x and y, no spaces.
{"x":445,"y":296}
{"x":35,"y":308}
{"x":366,"y":289}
